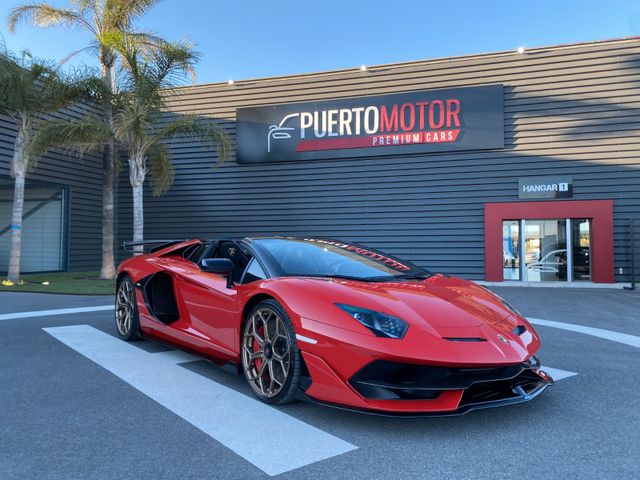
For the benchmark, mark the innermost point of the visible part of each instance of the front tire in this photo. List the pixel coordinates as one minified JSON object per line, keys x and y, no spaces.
{"x":270,"y":357}
{"x":126,"y":315}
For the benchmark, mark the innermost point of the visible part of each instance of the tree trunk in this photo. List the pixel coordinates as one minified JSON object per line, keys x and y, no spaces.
{"x":18,"y":170}
{"x":138,"y":216}
{"x":107,"y":270}
{"x":137,"y":173}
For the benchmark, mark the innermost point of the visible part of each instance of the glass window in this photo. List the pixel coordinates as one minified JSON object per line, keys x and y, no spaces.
{"x":327,"y":258}
{"x":511,"y":249}
{"x":254,"y":272}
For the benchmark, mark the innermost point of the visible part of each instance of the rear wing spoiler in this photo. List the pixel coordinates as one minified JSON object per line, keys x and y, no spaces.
{"x":150,"y":246}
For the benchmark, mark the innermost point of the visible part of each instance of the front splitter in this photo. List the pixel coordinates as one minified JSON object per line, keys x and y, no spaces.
{"x":522,"y":397}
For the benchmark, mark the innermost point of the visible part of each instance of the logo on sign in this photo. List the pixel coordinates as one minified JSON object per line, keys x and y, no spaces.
{"x":436,"y":121}
{"x":280,"y":131}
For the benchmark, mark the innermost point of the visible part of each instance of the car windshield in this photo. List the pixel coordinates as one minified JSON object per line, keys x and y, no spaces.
{"x":328,"y":258}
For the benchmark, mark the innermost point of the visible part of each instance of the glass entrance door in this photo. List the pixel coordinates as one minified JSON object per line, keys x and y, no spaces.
{"x":581,"y":248}
{"x":537,"y":250}
{"x":545,"y":250}
{"x":511,"y":249}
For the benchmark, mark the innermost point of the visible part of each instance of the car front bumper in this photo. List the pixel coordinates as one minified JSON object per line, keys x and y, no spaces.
{"x":391,"y":389}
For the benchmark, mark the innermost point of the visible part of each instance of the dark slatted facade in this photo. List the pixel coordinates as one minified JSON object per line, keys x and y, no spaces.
{"x":82,"y":179}
{"x":569,"y":110}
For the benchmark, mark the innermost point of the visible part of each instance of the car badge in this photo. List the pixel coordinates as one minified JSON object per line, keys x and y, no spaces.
{"x":232,"y":251}
{"x":503,"y":339}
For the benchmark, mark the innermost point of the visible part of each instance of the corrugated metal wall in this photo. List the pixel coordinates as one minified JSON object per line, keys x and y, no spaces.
{"x":84,"y":179}
{"x":568,"y":110}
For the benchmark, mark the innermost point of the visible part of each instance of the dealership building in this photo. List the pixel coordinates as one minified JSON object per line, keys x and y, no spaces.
{"x":519,"y":166}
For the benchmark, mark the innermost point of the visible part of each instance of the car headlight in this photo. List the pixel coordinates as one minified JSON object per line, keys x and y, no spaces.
{"x":381,"y":324}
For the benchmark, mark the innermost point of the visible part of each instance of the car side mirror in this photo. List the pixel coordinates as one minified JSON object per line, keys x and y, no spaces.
{"x":221,"y":266}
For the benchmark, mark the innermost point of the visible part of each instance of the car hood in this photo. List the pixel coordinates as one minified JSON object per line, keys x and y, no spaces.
{"x":460,"y":321}
{"x":442,"y":302}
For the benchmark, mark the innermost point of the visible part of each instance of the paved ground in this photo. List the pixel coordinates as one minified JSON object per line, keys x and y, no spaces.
{"x":26,"y":302}
{"x":63,"y":416}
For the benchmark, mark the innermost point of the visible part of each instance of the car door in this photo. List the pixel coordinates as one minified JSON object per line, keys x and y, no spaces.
{"x":211,"y":307}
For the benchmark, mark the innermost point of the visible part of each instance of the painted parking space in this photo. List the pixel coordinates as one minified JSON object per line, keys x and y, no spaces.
{"x":224,"y":414}
{"x":209,"y":405}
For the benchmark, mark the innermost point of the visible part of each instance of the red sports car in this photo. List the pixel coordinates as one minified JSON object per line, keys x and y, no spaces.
{"x":332,"y":322}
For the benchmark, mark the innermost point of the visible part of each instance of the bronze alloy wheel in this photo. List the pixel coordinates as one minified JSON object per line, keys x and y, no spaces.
{"x":126,"y":310}
{"x":266,"y":352}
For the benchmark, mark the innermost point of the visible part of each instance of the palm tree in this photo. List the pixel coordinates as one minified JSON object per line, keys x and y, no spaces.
{"x":105,"y":21}
{"x":141,"y":126}
{"x":29,"y":90}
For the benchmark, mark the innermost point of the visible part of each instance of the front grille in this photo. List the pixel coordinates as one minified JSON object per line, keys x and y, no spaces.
{"x":384,"y":380}
{"x":485,"y":392}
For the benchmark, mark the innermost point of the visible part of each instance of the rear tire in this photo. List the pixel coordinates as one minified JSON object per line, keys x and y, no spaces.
{"x":270,"y":357}
{"x":126,"y":315}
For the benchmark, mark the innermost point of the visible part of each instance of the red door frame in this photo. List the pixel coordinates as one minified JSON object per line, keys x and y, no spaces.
{"x":599,"y":211}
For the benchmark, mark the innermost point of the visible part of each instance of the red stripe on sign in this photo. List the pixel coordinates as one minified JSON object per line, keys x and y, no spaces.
{"x":372,"y":141}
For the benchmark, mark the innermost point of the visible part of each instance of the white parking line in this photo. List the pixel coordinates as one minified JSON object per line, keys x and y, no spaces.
{"x":59,"y":311}
{"x":177,"y":356}
{"x":624,"y":338}
{"x":558,"y":374}
{"x":235,"y":420}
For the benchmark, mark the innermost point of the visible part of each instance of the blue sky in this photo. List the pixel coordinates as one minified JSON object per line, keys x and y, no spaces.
{"x":251,"y":38}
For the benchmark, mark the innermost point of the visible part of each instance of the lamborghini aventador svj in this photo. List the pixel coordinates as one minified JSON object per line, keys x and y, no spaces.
{"x":332,"y":322}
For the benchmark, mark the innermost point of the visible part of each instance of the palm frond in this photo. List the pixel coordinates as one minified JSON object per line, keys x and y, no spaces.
{"x":45,"y":15}
{"x":77,"y":136}
{"x":132,"y":118}
{"x":119,"y":14}
{"x":173,"y":62}
{"x":28,"y":84}
{"x":148,"y":41}
{"x":196,"y":129}
{"x":10,"y":83}
{"x":91,"y":47}
{"x":160,"y":168}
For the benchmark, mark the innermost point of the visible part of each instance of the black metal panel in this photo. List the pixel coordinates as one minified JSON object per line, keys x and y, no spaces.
{"x":570,"y":111}
{"x":83,"y":179}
